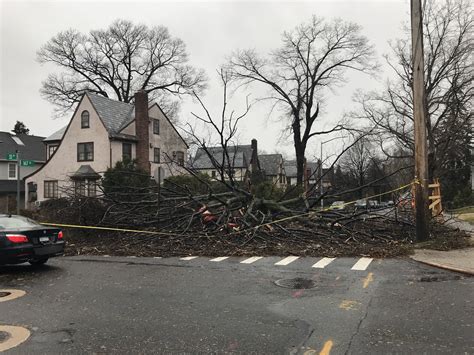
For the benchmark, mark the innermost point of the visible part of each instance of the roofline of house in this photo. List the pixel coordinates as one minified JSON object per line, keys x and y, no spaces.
{"x":61,"y":141}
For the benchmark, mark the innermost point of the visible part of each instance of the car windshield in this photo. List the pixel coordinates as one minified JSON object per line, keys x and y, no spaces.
{"x":16,"y":222}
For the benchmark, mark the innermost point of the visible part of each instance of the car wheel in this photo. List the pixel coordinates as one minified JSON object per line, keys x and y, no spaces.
{"x":38,"y":261}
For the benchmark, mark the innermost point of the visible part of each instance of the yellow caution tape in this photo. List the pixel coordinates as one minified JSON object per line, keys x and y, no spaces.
{"x":106,"y":228}
{"x":235,"y":232}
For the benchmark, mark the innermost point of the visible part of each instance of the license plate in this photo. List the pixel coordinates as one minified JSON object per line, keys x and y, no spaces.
{"x":44,"y":239}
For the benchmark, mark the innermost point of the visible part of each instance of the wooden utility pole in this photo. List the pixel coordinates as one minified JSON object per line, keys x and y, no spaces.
{"x":419,"y":113}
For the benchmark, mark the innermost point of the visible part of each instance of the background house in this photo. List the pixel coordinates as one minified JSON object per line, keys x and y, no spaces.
{"x":273,"y":167}
{"x":100,"y":133}
{"x":311,"y":176}
{"x":30,"y":148}
{"x":240,"y":159}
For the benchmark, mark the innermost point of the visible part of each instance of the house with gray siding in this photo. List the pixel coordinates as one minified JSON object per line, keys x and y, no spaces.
{"x":30,"y":148}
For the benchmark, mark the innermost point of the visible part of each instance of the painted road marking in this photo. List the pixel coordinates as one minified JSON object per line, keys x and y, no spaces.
{"x":188,"y":258}
{"x":368,"y":279}
{"x":220,"y":258}
{"x":251,"y":260}
{"x":326,"y":350}
{"x":349,"y":305}
{"x":16,"y":336}
{"x":362,"y":264}
{"x":12,"y":294}
{"x":157,"y":257}
{"x":287,"y":260}
{"x":321,"y":264}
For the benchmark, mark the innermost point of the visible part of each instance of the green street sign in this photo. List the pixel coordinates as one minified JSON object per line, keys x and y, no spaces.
{"x":11,"y":156}
{"x":27,"y":163}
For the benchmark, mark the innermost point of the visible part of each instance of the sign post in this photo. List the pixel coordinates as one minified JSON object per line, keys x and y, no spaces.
{"x":18,"y":182}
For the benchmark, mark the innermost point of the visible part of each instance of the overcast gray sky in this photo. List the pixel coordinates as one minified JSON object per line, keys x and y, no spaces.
{"x":211,"y":31}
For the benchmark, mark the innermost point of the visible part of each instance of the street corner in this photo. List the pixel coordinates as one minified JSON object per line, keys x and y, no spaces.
{"x":12,"y":336}
{"x":461,"y":261}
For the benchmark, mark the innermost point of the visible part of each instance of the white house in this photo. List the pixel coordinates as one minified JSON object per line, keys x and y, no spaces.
{"x":100,"y":133}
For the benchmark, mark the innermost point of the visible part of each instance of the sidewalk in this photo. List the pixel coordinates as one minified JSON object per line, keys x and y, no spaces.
{"x":455,"y":260}
{"x":461,"y":260}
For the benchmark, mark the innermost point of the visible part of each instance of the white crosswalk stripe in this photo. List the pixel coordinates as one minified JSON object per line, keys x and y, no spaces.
{"x":287,"y":260}
{"x":321,"y":264}
{"x":362,"y":264}
{"x":189,"y":258}
{"x":251,"y":260}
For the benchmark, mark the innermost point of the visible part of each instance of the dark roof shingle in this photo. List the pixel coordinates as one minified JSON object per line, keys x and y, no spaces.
{"x":32,"y":148}
{"x":239,"y":157}
{"x":270,"y":163}
{"x":114,"y":114}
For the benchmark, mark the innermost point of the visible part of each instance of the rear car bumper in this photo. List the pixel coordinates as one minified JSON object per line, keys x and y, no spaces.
{"x":25,"y":252}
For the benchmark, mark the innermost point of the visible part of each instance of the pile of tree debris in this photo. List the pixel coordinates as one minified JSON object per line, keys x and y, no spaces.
{"x":326,"y":233}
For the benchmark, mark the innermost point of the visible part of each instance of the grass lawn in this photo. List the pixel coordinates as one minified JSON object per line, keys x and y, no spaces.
{"x":468,"y":217}
{"x":465,"y":213}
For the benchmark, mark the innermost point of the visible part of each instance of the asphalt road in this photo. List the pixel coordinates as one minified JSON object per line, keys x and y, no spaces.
{"x":147,"y":305}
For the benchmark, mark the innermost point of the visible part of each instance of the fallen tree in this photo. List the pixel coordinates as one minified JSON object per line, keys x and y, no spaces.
{"x":225,"y":215}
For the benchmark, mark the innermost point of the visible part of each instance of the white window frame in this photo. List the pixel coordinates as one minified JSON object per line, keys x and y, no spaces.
{"x":16,"y":171}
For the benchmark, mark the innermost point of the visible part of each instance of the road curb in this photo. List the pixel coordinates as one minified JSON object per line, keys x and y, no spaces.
{"x":445,"y":267}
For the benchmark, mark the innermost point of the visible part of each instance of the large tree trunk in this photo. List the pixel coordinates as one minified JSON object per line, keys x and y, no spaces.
{"x":300,"y":169}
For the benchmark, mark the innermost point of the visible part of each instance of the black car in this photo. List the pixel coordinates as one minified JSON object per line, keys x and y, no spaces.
{"x":24,"y":240}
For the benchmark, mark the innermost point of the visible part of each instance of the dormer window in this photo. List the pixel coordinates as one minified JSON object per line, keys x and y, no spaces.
{"x":85,"y":119}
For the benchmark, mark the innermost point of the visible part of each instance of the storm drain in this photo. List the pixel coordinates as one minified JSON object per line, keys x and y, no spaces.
{"x":297,"y":283}
{"x":4,"y":294}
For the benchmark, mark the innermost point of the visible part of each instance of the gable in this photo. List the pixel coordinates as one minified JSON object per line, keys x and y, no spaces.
{"x":156,"y":112}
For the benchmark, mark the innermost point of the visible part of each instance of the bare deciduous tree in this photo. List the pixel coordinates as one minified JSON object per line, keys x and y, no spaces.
{"x":117,"y":62}
{"x":449,"y":73}
{"x":357,"y":161}
{"x":313,"y":58}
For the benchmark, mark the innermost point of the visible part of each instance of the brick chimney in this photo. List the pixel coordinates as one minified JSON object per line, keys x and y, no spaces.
{"x":142,"y":126}
{"x":254,"y":160}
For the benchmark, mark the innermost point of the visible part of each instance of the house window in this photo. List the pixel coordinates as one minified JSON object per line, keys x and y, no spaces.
{"x":156,"y":155}
{"x":126,"y":151}
{"x":51,"y":150}
{"x":85,"y":151}
{"x":85,"y":119}
{"x":179,"y":158}
{"x":51,"y":189}
{"x":80,"y":187}
{"x":156,"y":126}
{"x":85,"y":188}
{"x":213,"y":174}
{"x":91,"y":188}
{"x":12,"y":171}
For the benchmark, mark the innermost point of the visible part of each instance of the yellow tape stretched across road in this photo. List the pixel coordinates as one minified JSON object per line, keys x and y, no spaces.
{"x":107,"y":228}
{"x":235,"y":232}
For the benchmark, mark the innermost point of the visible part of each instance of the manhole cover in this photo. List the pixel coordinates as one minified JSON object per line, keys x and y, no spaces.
{"x":5,"y":294}
{"x":297,"y":283}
